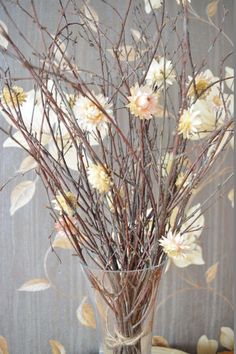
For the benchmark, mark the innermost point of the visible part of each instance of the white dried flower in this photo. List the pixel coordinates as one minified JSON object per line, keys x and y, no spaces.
{"x":99,"y":178}
{"x":160,"y":70}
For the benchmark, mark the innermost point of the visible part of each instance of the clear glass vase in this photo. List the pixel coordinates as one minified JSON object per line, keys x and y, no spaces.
{"x":124,"y":303}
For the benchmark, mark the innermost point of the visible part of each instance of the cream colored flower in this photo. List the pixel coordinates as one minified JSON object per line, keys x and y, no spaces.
{"x":155,"y":4}
{"x":160,"y":71}
{"x":144,"y":102}
{"x":99,"y":178}
{"x":175,"y":245}
{"x":182,"y":247}
{"x":231,"y":197}
{"x":227,"y":338}
{"x":65,"y":204}
{"x":189,"y":123}
{"x":203,"y":82}
{"x":91,"y":119}
{"x":14,"y":96}
{"x":206,"y":346}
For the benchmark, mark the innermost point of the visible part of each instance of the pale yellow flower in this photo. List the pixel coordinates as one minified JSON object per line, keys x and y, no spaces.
{"x":182,"y":247}
{"x":99,"y":178}
{"x":144,"y":102}
{"x":206,"y":346}
{"x":160,"y":70}
{"x":175,"y":245}
{"x":65,"y":204}
{"x":203,"y":82}
{"x":14,"y":96}
{"x":90,"y":117}
{"x":189,"y":123}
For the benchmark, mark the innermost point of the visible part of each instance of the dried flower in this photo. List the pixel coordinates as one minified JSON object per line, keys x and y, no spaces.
{"x":203,"y":82}
{"x":143,"y":102}
{"x":13,"y":96}
{"x":65,"y":204}
{"x":91,"y":118}
{"x":99,"y":178}
{"x":181,"y":247}
{"x":160,"y":71}
{"x":189,"y":123}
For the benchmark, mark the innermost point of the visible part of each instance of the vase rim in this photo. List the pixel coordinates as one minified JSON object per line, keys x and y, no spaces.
{"x":150,"y":268}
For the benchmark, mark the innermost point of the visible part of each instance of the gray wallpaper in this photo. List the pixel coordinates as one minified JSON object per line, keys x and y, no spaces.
{"x":188,"y":306}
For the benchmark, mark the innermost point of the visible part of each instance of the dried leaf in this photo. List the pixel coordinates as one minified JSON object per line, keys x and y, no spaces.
{"x":56,"y":347}
{"x":159,"y":341}
{"x":21,"y":195}
{"x":92,"y":17}
{"x":62,"y":241}
{"x":85,"y":314}
{"x":27,"y":164}
{"x":3,"y":40}
{"x":35,"y":285}
{"x":3,"y":346}
{"x":211,"y":273}
{"x":212,"y":8}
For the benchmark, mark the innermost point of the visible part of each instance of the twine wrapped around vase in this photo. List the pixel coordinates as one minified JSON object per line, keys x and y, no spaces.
{"x":120,"y":340}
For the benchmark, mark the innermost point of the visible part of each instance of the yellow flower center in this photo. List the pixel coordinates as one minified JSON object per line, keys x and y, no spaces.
{"x":93,"y":114}
{"x":217,"y":101}
{"x":13,"y":96}
{"x":72,"y":101}
{"x":202,"y":88}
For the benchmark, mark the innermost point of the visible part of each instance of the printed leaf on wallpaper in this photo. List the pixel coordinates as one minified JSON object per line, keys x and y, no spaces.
{"x":85,"y":314}
{"x":21,"y":195}
{"x":3,"y":345}
{"x":211,"y":273}
{"x":56,"y":347}
{"x":35,"y":285}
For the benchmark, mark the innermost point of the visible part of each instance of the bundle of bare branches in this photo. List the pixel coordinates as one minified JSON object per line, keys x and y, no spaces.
{"x":120,"y":147}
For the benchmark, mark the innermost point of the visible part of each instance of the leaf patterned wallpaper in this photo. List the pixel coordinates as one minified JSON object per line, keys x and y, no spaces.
{"x":44,"y":303}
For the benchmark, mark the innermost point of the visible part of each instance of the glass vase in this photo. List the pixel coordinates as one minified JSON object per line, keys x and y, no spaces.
{"x":125,"y":303}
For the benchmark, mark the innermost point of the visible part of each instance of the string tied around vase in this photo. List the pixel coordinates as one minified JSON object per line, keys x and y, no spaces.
{"x":119,"y":340}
